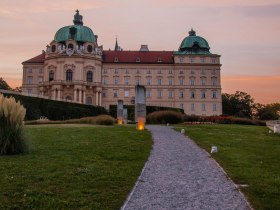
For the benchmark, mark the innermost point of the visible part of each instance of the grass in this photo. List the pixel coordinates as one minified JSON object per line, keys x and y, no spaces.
{"x":74,"y":167}
{"x":249,"y":155}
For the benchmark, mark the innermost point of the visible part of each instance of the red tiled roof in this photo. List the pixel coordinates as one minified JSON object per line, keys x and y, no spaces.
{"x":37,"y":59}
{"x":166,"y":57}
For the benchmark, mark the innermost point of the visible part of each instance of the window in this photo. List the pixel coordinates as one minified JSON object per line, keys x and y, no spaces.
{"x":203,"y":81}
{"x":148,"y":94}
{"x":192,"y":107}
{"x":214,"y":94}
{"x":214,"y":107}
{"x":89,"y":48}
{"x":116,"y":80}
{"x":202,"y":60}
{"x":126,"y":80}
{"x":159,"y":71}
{"x":89,"y":76}
{"x":40,"y":79}
{"x":170,"y":71}
{"x":126,"y":93}
{"x":29,"y":70}
{"x":159,"y":93}
{"x":51,"y":76}
{"x":181,"y":60}
{"x":159,"y":60}
{"x":203,"y":107}
{"x":68,"y":98}
{"x":137,"y":59}
{"x":181,"y":106}
{"x":192,"y":81}
{"x":137,"y":80}
{"x":29,"y":80}
{"x":69,"y":75}
{"x":105,"y":71}
{"x":213,"y":60}
{"x":214,"y":81}
{"x":126,"y":71}
{"x":70,"y":46}
{"x":181,"y":81}
{"x":192,"y":94}
{"x":40,"y":71}
{"x":181,"y":94}
{"x":203,"y":94}
{"x":115,"y":93}
{"x":137,"y":71}
{"x":29,"y":91}
{"x":181,"y":72}
{"x":192,"y":60}
{"x":148,"y":71}
{"x":104,"y":81}
{"x":104,"y":93}
{"x":89,"y":101}
{"x":192,"y":72}
{"x":53,"y":48}
{"x":213,"y":72}
{"x":170,"y":94}
{"x":149,"y":81}
{"x":159,"y":81}
{"x":116,"y":59}
{"x":116,"y":71}
{"x":170,"y":81}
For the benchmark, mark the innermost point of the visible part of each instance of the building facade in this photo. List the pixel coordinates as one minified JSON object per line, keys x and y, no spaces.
{"x":75,"y":68}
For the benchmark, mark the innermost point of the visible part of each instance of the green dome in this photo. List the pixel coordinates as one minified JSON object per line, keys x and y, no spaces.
{"x":194,"y":44}
{"x":77,"y":32}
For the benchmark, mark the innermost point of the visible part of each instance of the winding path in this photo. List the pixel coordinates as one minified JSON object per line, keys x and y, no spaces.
{"x":180,"y":175}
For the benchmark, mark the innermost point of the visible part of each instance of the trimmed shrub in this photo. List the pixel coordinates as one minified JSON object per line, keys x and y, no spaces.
{"x":12,"y":114}
{"x":163,"y":117}
{"x":55,"y":110}
{"x":149,"y":109}
{"x":97,"y":120}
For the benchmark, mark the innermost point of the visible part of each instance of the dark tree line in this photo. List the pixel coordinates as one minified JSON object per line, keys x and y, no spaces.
{"x":241,"y":104}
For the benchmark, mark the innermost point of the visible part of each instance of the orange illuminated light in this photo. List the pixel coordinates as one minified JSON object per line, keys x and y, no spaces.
{"x":140,"y":124}
{"x":120,"y":121}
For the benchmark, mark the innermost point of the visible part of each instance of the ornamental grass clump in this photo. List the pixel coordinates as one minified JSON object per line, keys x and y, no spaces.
{"x":12,"y":114}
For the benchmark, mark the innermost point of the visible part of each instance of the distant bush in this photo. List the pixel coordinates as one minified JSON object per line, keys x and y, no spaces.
{"x":223,"y":120}
{"x":97,"y":120}
{"x":163,"y":117}
{"x":149,"y":109}
{"x":12,"y":114}
{"x":55,"y":110}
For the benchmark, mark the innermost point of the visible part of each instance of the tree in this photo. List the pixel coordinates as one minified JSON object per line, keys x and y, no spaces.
{"x":269,"y":112}
{"x":239,"y":104}
{"x":4,"y":85}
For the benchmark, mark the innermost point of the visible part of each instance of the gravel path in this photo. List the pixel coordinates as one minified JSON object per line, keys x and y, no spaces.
{"x":180,"y":175}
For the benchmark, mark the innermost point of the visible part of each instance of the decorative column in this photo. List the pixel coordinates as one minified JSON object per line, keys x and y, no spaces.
{"x":96,"y":98}
{"x":100,"y":96}
{"x":80,"y":96}
{"x":58,"y":94}
{"x":120,"y":112}
{"x":84,"y":97}
{"x":140,"y":106}
{"x":75,"y":95}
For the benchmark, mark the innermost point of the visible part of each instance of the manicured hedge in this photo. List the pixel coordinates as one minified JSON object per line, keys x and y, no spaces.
{"x":165,"y":116}
{"x":55,"y":110}
{"x":150,"y":109}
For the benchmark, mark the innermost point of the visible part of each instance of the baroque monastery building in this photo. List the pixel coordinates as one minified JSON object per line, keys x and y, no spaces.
{"x":75,"y":68}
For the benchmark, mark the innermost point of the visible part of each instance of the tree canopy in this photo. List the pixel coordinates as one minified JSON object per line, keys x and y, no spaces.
{"x":4,"y":85}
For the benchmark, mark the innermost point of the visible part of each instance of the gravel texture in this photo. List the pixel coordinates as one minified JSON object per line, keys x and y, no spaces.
{"x":180,"y":175}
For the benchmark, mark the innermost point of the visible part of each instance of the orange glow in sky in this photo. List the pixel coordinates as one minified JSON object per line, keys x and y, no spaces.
{"x":244,"y":33}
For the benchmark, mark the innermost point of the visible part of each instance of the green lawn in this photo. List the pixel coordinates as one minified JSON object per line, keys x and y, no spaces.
{"x":74,"y":167}
{"x":249,"y":154}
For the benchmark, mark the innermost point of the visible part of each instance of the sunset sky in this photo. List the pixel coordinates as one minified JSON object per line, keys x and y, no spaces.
{"x":245,"y":33}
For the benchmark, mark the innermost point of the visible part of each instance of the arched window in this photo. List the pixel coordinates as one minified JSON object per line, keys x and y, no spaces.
{"x":51,"y":76}
{"x":89,"y":48}
{"x":69,"y":75}
{"x":53,"y":48}
{"x":89,"y":101}
{"x":89,"y":76}
{"x":70,"y":46}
